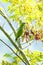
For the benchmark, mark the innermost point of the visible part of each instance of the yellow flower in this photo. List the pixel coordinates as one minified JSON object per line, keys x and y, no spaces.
{"x":40,"y":23}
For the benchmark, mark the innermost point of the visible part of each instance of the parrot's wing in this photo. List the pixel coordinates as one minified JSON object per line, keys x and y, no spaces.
{"x":20,"y":31}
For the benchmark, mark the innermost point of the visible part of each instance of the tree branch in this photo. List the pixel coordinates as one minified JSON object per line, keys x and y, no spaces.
{"x":10,"y":25}
{"x":5,"y":16}
{"x":12,"y":50}
{"x":21,"y":52}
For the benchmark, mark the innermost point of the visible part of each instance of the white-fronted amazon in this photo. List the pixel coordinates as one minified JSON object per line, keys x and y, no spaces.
{"x":20,"y":31}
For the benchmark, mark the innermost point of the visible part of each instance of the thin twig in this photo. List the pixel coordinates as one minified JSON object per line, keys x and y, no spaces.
{"x":28,"y":45}
{"x":3,"y":25}
{"x":23,"y":43}
{"x":12,"y":50}
{"x":11,"y":34}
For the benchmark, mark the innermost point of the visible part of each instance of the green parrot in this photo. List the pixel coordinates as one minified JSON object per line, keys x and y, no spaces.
{"x":20,"y":31}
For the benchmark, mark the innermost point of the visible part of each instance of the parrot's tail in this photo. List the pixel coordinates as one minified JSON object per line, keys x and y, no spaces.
{"x":16,"y":39}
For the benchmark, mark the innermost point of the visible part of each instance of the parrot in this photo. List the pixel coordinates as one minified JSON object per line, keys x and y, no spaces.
{"x":20,"y":31}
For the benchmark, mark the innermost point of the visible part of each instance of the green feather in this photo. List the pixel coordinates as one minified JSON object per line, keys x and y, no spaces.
{"x":20,"y":31}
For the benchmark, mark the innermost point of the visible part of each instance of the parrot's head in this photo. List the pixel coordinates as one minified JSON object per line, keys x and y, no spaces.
{"x":22,"y":24}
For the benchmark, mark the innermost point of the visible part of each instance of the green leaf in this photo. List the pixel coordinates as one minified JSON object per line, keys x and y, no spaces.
{"x":39,"y":59}
{"x":8,"y":55}
{"x":15,"y":57}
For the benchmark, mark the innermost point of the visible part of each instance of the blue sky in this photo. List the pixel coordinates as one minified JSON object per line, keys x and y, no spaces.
{"x":3,"y":48}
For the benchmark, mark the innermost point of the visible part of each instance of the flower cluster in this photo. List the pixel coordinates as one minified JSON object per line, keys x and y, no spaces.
{"x":31,"y":33}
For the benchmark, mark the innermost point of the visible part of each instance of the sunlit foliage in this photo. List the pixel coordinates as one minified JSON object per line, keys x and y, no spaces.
{"x":30,"y":12}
